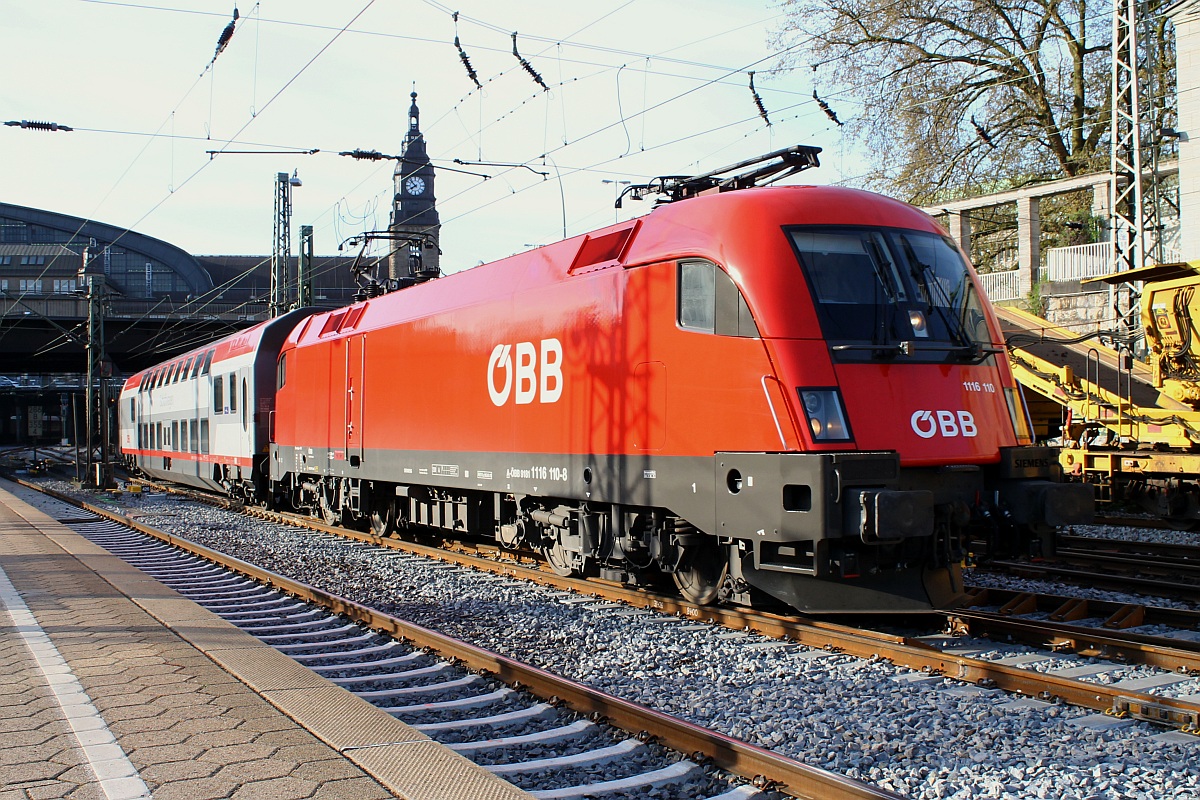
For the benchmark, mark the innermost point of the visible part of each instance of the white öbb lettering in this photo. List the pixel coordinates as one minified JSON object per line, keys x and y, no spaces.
{"x":928,"y":424}
{"x":535,"y":372}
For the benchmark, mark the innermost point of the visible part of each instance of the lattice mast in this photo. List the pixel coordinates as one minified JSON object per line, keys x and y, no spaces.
{"x":1126,"y":207}
{"x":281,"y":248}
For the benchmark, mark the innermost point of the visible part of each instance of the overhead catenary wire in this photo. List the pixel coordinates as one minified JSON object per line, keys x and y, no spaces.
{"x":498,"y":29}
{"x":232,"y":139}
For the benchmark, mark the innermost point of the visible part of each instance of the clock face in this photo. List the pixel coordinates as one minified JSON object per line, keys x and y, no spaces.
{"x":414,"y":185}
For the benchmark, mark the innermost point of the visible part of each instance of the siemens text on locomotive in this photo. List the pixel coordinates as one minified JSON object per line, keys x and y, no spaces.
{"x":786,"y":394}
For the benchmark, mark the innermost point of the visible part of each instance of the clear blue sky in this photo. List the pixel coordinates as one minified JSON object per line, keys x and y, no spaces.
{"x":637,"y":88}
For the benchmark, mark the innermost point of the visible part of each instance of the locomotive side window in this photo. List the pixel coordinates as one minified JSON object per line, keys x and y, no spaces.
{"x":709,"y":301}
{"x":697,"y":296}
{"x":281,"y":372}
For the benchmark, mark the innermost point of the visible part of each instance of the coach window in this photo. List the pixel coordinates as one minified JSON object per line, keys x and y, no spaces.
{"x":208,"y":357}
{"x":709,"y":302}
{"x":245,"y":408}
{"x":132,"y":410}
{"x":175,"y":435}
{"x":204,"y":436}
{"x":218,"y":394}
{"x":232,"y":392}
{"x":194,"y":435}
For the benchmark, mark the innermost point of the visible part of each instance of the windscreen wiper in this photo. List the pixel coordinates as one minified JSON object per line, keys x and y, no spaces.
{"x":970,"y":352}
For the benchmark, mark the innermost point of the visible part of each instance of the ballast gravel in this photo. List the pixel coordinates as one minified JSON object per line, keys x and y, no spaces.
{"x":922,"y":737}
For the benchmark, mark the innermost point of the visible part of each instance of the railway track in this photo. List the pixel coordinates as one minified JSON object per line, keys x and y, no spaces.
{"x":1163,"y":568}
{"x":523,"y":723}
{"x":938,"y":655}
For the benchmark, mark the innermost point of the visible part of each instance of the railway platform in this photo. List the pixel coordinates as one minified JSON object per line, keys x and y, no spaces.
{"x":114,"y":686}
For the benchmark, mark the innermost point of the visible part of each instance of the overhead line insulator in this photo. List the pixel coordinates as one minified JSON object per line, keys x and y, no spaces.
{"x":35,"y":125}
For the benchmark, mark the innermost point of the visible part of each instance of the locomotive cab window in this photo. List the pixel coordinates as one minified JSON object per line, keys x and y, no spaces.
{"x":892,"y":292}
{"x":708,"y":301}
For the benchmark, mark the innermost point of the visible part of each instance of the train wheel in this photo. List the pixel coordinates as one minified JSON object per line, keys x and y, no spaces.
{"x":701,"y":573}
{"x":559,"y":560}
{"x":383,"y":516}
{"x":331,"y":511}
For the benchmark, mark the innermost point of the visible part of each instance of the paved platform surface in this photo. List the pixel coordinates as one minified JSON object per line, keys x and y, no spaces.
{"x":114,"y":686}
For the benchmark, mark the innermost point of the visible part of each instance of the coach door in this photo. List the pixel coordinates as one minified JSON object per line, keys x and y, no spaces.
{"x":355,"y":360}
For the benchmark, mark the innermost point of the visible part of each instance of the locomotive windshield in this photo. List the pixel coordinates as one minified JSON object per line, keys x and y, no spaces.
{"x":882,"y":292}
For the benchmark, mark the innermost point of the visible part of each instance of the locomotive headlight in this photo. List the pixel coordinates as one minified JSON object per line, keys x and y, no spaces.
{"x":917,"y":320}
{"x":826,"y":418}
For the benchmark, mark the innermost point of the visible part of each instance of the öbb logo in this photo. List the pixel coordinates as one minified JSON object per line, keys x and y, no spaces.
{"x":928,"y":424}
{"x":537,"y":372}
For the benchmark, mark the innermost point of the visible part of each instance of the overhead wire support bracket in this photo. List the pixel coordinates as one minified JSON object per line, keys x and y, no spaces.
{"x":510,"y":164}
{"x":214,"y":153}
{"x":375,"y":155}
{"x":770,"y":167}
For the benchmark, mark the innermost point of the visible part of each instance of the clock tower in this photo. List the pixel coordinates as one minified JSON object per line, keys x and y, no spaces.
{"x":414,"y":208}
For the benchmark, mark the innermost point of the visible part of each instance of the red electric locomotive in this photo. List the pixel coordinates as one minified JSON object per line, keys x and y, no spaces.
{"x":789,"y":394}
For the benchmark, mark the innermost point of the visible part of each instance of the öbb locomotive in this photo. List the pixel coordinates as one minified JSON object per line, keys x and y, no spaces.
{"x":789,"y":395}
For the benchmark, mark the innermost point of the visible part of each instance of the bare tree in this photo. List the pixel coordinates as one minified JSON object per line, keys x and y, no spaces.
{"x":963,"y":96}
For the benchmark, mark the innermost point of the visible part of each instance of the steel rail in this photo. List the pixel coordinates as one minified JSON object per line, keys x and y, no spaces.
{"x":1161,"y":523}
{"x":1128,"y":648}
{"x":812,"y":633}
{"x":766,"y":768}
{"x":1126,"y":561}
{"x":1183,"y":552}
{"x":1119,"y":582}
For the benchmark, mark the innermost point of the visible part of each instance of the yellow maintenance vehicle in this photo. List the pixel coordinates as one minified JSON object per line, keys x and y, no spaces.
{"x":1129,"y":426}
